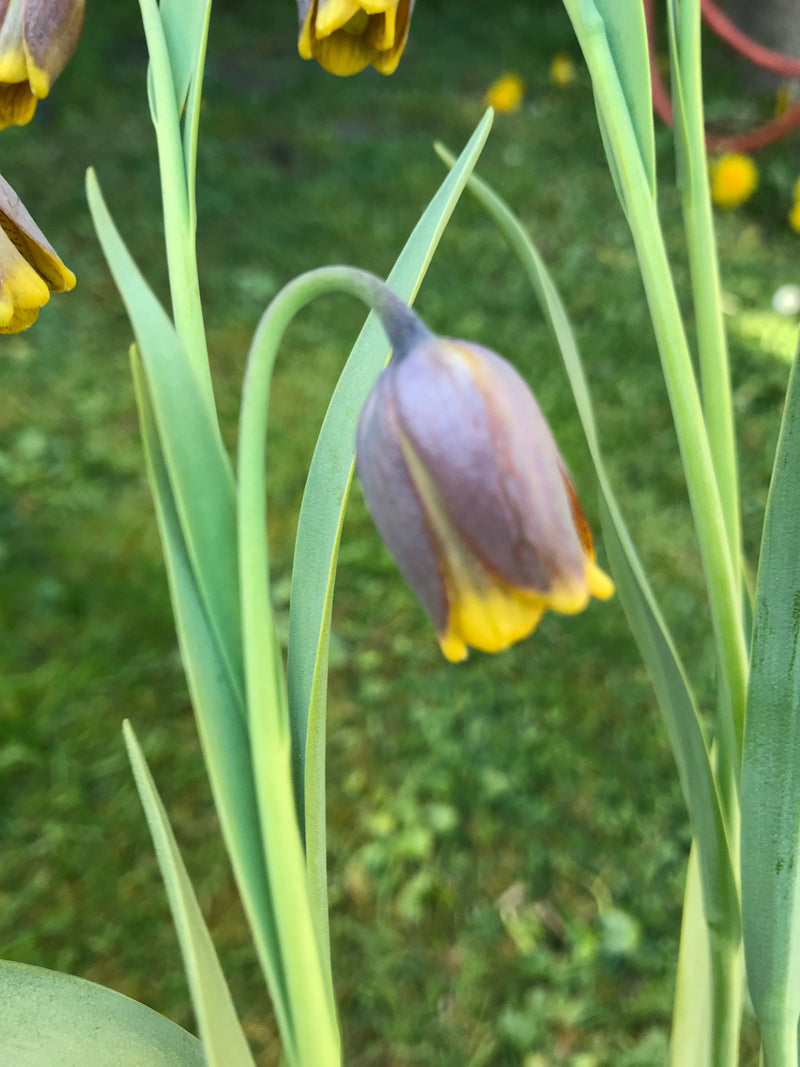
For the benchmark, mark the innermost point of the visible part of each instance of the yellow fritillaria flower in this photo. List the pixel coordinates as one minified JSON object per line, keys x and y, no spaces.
{"x":344,"y":36}
{"x":506,"y":93}
{"x":29,"y":266}
{"x":562,"y":70}
{"x":466,"y":485}
{"x":37,"y":40}
{"x":734,"y":179}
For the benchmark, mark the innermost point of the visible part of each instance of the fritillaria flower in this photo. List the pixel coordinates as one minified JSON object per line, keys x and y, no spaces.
{"x":29,"y":266}
{"x":467,"y":488}
{"x":344,"y":36}
{"x":37,"y":40}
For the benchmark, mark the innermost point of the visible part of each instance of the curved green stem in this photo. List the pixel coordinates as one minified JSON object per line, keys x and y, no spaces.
{"x":302,"y":917}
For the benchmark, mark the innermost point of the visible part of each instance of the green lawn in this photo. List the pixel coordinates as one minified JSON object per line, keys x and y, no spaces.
{"x":507,"y":837}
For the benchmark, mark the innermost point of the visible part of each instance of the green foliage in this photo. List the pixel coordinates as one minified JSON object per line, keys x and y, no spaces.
{"x":552,"y":757}
{"x":49,"y":1017}
{"x":770,"y":828}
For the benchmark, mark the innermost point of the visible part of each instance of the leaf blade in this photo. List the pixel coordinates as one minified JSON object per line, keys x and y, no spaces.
{"x":221,"y":721}
{"x":49,"y":1017}
{"x":223,"y":1040}
{"x":771,"y":758}
{"x":199,"y":470}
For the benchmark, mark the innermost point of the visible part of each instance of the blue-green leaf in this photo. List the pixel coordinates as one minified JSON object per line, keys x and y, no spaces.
{"x":690,"y":1039}
{"x":771,"y":760}
{"x":200,"y":475}
{"x":617,"y":27}
{"x":224,"y":1042}
{"x":220,"y":717}
{"x":49,"y":1018}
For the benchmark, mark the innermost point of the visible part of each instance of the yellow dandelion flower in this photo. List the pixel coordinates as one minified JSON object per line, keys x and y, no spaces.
{"x":734,"y":179}
{"x":506,"y":93}
{"x":794,"y":217}
{"x":562,"y":70}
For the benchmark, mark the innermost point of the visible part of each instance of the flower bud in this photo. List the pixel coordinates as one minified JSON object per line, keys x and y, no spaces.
{"x":466,"y":485}
{"x":344,"y":36}
{"x":29,"y":266}
{"x":37,"y":40}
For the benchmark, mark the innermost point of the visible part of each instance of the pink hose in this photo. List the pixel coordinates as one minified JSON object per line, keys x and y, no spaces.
{"x":788,"y":66}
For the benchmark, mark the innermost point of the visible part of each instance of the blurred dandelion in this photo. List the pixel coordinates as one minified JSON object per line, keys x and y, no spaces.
{"x":562,"y":69}
{"x":734,"y":179}
{"x":506,"y":93}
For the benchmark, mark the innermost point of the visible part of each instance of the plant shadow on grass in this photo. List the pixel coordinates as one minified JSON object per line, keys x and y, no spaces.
{"x":508,"y":840}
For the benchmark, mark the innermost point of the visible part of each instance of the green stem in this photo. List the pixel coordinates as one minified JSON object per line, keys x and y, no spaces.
{"x":178,"y":213}
{"x":305,"y":946}
{"x":727,"y":986}
{"x":723,"y":590}
{"x":703,"y":264}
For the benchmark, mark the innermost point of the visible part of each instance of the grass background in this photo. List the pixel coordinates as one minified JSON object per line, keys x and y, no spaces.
{"x":507,"y":838}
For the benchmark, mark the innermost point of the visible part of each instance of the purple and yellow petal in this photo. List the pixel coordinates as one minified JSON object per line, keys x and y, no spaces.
{"x":30,"y":268}
{"x":52,"y":31}
{"x":466,"y":485}
{"x":37,"y":40}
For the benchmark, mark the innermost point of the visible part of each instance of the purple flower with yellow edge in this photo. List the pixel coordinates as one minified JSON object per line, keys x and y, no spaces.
{"x":29,"y":266}
{"x":344,"y":36}
{"x":37,"y":40}
{"x":466,"y":485}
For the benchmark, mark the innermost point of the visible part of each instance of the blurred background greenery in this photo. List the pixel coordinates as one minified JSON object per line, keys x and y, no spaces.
{"x":507,"y":837}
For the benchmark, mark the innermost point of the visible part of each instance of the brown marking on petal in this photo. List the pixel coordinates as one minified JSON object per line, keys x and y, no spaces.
{"x":17,"y":104}
{"x":32,"y":244}
{"x":581,"y":525}
{"x":51,"y":34}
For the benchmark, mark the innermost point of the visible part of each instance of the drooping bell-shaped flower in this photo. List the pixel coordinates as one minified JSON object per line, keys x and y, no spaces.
{"x":37,"y":40}
{"x":29,"y":266}
{"x":344,"y":36}
{"x":467,"y":487}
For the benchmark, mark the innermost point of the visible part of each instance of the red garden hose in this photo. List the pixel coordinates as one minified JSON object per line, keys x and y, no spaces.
{"x":788,"y":66}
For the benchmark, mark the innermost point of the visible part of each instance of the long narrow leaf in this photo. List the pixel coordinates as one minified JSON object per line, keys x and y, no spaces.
{"x":220,"y":719}
{"x":771,"y":763}
{"x":622,"y":24}
{"x":51,"y":1018}
{"x":185,"y":27}
{"x":650,"y":630}
{"x":223,"y":1040}
{"x":690,"y":1040}
{"x":320,"y":523}
{"x":199,"y":470}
